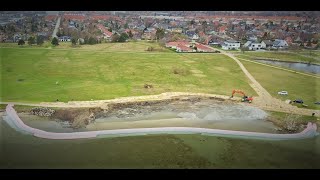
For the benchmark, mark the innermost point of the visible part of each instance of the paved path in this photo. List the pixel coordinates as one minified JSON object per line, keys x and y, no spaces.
{"x":54,"y":34}
{"x":15,"y":122}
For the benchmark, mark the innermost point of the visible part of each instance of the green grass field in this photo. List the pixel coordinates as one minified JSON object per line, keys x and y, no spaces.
{"x":104,"y":72}
{"x":315,"y":53}
{"x":275,"y":80}
{"x":137,"y":46}
{"x":154,"y":151}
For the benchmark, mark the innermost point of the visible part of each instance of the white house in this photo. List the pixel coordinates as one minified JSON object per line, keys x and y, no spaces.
{"x":231,"y":44}
{"x":254,"y":45}
{"x":195,"y":37}
{"x":64,"y":38}
{"x":267,"y":44}
{"x":253,"y":38}
{"x":279,"y":44}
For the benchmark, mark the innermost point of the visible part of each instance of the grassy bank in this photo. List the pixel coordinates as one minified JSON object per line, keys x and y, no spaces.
{"x":36,"y":75}
{"x":300,"y":118}
{"x":275,"y":80}
{"x":285,"y":56}
{"x":280,"y":119}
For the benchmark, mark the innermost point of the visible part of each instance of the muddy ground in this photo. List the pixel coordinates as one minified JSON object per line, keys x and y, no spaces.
{"x":80,"y":117}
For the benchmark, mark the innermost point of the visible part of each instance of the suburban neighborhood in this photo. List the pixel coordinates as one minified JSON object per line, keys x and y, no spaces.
{"x":227,"y":31}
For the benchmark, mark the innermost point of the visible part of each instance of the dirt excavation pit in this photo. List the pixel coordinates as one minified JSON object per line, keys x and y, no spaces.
{"x":192,"y":111}
{"x":187,"y":107}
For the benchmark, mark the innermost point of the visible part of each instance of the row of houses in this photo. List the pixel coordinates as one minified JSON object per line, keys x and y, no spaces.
{"x":185,"y":46}
{"x":254,"y":45}
{"x":106,"y":33}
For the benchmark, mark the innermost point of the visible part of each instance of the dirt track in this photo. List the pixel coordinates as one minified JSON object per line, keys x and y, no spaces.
{"x":265,"y":100}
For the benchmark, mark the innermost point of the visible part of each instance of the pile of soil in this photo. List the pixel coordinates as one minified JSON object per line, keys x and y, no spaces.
{"x":77,"y":117}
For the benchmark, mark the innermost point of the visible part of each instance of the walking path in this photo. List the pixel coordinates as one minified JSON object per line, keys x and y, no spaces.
{"x":54,"y":34}
{"x":265,"y":100}
{"x":15,"y":122}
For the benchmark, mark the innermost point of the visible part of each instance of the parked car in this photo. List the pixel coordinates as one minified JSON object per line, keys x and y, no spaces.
{"x":298,"y":101}
{"x":283,"y":93}
{"x":317,"y":103}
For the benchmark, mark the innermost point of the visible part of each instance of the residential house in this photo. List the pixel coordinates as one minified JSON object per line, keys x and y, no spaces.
{"x":231,"y":44}
{"x":279,"y":44}
{"x":64,"y":38}
{"x":176,"y":30}
{"x":195,"y":37}
{"x":172,"y":45}
{"x":182,"y":48}
{"x":190,"y":33}
{"x":252,"y":38}
{"x":203,"y":48}
{"x":254,"y":45}
{"x":297,"y":40}
{"x":267,"y":44}
{"x":222,"y":30}
{"x":106,"y":33}
{"x":17,"y":37}
{"x":72,"y":24}
{"x":44,"y":35}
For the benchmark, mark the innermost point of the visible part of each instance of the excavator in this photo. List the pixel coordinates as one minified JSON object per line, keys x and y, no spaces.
{"x":245,"y":98}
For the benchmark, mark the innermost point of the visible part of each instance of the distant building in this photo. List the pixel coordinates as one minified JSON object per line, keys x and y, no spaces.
{"x":267,"y":44}
{"x":203,"y":48}
{"x":230,"y":44}
{"x":195,"y":37}
{"x":182,"y":48}
{"x":172,"y":45}
{"x":64,"y":38}
{"x":254,"y":45}
{"x":17,"y":37}
{"x":279,"y":44}
{"x":106,"y":33}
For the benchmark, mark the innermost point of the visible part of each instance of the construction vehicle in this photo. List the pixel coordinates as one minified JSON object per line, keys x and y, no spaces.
{"x":245,"y":98}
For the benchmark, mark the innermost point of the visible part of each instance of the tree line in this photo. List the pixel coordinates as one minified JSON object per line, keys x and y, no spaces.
{"x":39,"y":40}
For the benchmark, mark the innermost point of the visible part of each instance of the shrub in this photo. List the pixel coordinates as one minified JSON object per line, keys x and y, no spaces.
{"x":150,"y":49}
{"x":180,"y":71}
